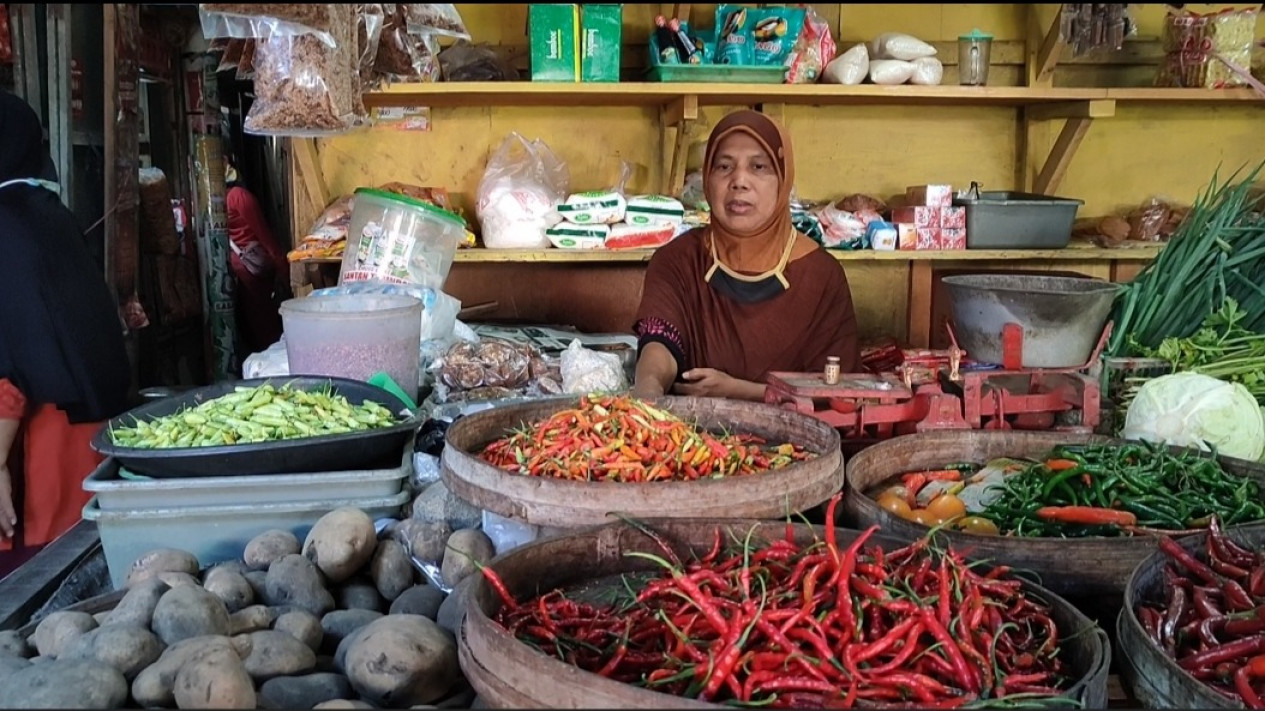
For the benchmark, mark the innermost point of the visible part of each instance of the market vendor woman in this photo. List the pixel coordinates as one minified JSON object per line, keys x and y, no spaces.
{"x":724,"y":305}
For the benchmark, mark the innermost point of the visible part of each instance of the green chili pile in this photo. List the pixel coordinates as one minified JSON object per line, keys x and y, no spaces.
{"x":619,"y":438}
{"x":1211,"y":615}
{"x":785,"y":625}
{"x":262,"y":413}
{"x":1110,"y":489}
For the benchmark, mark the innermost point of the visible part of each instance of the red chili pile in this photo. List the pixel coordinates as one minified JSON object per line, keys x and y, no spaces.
{"x":1212,"y":619}
{"x":791,"y":626}
{"x":619,"y":438}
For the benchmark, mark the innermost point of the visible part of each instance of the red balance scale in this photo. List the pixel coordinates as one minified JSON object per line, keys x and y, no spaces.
{"x":949,"y":395}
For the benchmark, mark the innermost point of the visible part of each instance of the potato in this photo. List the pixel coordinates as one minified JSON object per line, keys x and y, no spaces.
{"x":269,"y":546}
{"x":303,"y":692}
{"x":13,"y":644}
{"x":295,"y":581}
{"x":161,"y":560}
{"x":453,"y":609}
{"x":179,"y":579}
{"x":214,"y":680}
{"x":59,"y":629}
{"x":422,"y":667}
{"x":425,"y":540}
{"x":424,"y":600}
{"x":359,"y":593}
{"x":127,"y":648}
{"x":341,"y":542}
{"x":251,"y":619}
{"x":272,"y":654}
{"x":467,"y":550}
{"x":153,"y":686}
{"x":138,"y":603}
{"x":339,"y":624}
{"x":391,"y":569}
{"x":230,"y":586}
{"x":65,"y":684}
{"x":258,"y":580}
{"x":236,"y":566}
{"x":189,"y":611}
{"x":303,"y":626}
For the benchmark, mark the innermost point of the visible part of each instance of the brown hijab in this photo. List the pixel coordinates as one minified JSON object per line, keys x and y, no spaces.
{"x":773,"y":139}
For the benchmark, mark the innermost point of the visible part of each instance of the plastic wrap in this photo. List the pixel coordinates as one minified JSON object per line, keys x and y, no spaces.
{"x":891,"y":72}
{"x":897,"y":45}
{"x":814,"y":50}
{"x":439,"y":310}
{"x":369,"y":21}
{"x":436,"y":19}
{"x":1199,"y":49}
{"x":494,"y":369}
{"x":327,"y":237}
{"x":260,"y":20}
{"x":522,"y":183}
{"x":849,"y":68}
{"x":588,"y":371}
{"x":303,"y":86}
{"x":928,"y":71}
{"x":507,"y":534}
{"x":269,"y":363}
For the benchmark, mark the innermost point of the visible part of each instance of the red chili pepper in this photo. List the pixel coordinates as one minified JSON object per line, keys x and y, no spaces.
{"x":1223,"y":653}
{"x":1227,"y":549}
{"x":1254,"y":669}
{"x":1236,"y":597}
{"x":941,"y":635}
{"x":1187,"y":561}
{"x":1203,"y":603}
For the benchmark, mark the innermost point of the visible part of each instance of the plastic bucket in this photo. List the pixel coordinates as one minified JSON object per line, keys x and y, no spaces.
{"x":355,"y":336}
{"x":399,"y":239}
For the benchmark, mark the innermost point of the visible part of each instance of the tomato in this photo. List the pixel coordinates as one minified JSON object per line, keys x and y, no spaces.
{"x":893,"y":504}
{"x":926,"y":518}
{"x":946,"y":507}
{"x":978,"y":525}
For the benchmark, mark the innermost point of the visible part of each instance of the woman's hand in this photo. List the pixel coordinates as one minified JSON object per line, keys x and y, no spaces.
{"x":8,"y":517}
{"x":709,"y":382}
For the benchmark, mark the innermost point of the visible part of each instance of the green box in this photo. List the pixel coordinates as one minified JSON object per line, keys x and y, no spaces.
{"x":554,"y":35}
{"x":601,"y":32}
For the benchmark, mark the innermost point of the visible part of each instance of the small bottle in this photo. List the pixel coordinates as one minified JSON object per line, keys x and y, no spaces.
{"x":684,"y":45}
{"x":666,"y":41}
{"x":833,"y":371}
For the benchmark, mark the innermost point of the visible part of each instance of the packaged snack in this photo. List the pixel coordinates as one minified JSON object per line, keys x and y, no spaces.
{"x":775,"y":30}
{"x":814,"y":50}
{"x":263,"y":20}
{"x":624,"y":236}
{"x":733,"y":35}
{"x":654,"y":210}
{"x":604,"y":207}
{"x":565,"y":235}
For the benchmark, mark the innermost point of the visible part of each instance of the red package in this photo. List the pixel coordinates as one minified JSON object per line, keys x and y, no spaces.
{"x":953,"y":218}
{"x":906,"y":236}
{"x":928,"y":238}
{"x":637,"y":237}
{"x":952,"y":238}
{"x":919,"y":216}
{"x":930,"y":195}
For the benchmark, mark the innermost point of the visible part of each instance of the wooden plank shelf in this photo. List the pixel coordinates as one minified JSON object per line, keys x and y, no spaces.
{"x":1074,"y":252}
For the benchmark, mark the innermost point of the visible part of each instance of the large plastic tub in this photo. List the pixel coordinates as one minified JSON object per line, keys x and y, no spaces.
{"x":115,"y":491}
{"x":399,"y":239}
{"x":354,"y":336}
{"x":1002,"y":219}
{"x":212,"y":533}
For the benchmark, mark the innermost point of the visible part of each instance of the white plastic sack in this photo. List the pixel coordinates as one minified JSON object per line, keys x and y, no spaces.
{"x":271,"y":362}
{"x":890,"y":72}
{"x":590,"y":371}
{"x":522,"y":183}
{"x":898,"y":45}
{"x":849,"y":68}
{"x":928,"y":71}
{"x":507,"y":534}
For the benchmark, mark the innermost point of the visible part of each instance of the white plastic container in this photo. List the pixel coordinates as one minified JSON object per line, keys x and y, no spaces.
{"x":398,"y":239}
{"x":213,"y":534}
{"x":355,"y":336}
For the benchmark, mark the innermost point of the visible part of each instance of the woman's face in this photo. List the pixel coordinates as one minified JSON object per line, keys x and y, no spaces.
{"x":742,"y":186}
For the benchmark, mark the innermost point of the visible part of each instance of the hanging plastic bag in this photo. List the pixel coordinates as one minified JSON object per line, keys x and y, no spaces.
{"x":303,"y":86}
{"x":522,"y":183}
{"x":232,"y":55}
{"x":437,"y":19}
{"x":259,"y":20}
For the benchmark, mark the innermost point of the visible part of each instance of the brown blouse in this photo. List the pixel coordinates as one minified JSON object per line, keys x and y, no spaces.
{"x":792,"y":331}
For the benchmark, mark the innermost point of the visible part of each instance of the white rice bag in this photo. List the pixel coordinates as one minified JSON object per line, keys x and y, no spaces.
{"x":898,"y":45}
{"x":928,"y":71}
{"x":849,"y":68}
{"x":890,"y":72}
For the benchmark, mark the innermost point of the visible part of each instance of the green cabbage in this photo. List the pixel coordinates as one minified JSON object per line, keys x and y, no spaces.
{"x":1185,"y":409}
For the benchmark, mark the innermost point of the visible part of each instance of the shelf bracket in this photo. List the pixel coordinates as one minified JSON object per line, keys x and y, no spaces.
{"x":1079,"y":117}
{"x":680,"y":114}
{"x":310,"y":171}
{"x":1043,"y":58}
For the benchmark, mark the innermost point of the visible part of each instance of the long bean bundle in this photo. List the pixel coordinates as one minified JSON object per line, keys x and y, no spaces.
{"x":1218,"y":252}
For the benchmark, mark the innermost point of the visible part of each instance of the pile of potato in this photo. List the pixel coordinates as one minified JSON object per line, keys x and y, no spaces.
{"x":341,"y":621}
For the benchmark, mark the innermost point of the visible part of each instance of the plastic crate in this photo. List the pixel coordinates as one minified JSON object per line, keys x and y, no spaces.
{"x":117,"y":489}
{"x":213,"y":534}
{"x":710,"y":73}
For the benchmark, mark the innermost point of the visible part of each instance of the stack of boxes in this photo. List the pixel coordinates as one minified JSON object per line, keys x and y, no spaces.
{"x":930,"y":221}
{"x":573,"y":43}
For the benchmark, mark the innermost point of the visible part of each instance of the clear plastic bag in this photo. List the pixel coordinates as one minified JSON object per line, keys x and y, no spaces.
{"x":849,"y":68}
{"x":466,"y":62}
{"x":928,"y":71}
{"x":370,"y":19}
{"x":232,"y":55}
{"x":438,"y":19}
{"x":246,"y":64}
{"x":898,"y":45}
{"x":522,"y":183}
{"x":589,"y":371}
{"x":813,"y":51}
{"x":304,"y":86}
{"x":890,"y":72}
{"x":260,"y":20}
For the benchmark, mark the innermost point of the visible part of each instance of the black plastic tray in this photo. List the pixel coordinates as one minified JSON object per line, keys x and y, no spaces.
{"x":340,"y":452}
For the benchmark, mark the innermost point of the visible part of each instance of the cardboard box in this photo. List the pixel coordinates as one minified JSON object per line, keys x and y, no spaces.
{"x":930,"y":195}
{"x":601,"y":31}
{"x":928,"y":238}
{"x":919,"y":216}
{"x":953,"y":218}
{"x":952,"y":238}
{"x":554,"y":36}
{"x":906,"y":236}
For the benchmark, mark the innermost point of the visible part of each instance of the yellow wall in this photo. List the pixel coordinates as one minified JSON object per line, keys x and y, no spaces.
{"x":1169,"y":150}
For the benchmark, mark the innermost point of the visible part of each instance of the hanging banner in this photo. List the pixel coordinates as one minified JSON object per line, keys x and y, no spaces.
{"x":217,"y":278}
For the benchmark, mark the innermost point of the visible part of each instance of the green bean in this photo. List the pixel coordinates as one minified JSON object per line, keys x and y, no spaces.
{"x":255,"y":414}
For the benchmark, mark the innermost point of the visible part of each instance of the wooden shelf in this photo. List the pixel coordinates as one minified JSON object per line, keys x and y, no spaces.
{"x":1148,"y":95}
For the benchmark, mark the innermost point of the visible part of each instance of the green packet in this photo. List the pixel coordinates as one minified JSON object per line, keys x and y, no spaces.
{"x":757,"y":36}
